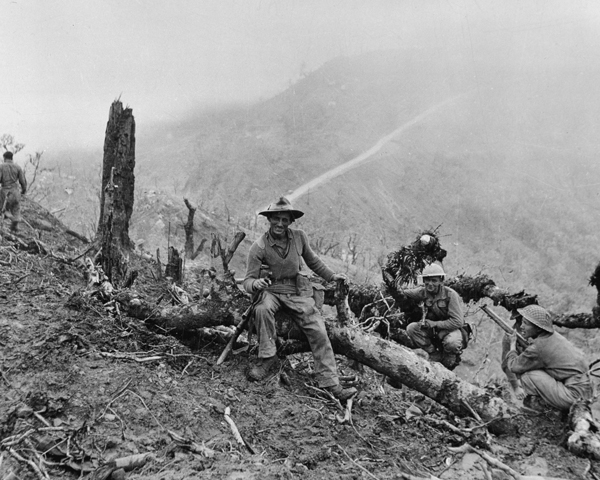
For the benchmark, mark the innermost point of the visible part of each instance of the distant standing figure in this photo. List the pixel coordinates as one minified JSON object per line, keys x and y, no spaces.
{"x":281,"y":250}
{"x":551,"y":368}
{"x":439,"y":333}
{"x":11,"y":176}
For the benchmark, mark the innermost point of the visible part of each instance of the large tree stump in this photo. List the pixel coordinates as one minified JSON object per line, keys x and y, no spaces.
{"x":116,"y":202}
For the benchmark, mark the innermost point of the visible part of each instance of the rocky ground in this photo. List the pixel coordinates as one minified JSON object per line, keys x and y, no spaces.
{"x":82,"y":385}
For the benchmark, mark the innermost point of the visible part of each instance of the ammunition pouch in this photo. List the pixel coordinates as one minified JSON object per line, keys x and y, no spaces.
{"x":305,"y":288}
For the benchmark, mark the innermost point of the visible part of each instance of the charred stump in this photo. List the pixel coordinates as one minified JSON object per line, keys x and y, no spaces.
{"x":188,"y":227}
{"x":116,"y":202}
{"x":174,"y":268}
{"x":226,"y":255}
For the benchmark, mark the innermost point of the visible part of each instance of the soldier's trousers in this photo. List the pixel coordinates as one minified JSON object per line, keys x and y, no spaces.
{"x":308,"y":319}
{"x":10,"y":200}
{"x":556,"y":394}
{"x":423,"y":338}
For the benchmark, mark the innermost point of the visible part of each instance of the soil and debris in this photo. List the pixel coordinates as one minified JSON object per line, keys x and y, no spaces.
{"x":84,"y":388}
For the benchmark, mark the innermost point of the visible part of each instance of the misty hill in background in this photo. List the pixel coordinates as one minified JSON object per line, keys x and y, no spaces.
{"x":506,"y":166}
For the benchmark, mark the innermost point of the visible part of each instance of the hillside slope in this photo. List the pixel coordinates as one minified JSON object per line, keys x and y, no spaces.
{"x":83,"y":384}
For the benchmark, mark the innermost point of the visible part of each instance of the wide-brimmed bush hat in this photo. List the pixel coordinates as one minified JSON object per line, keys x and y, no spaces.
{"x":538,"y":316}
{"x":282,"y":205}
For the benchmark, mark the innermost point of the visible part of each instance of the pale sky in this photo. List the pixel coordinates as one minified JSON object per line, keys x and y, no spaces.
{"x":65,"y":61}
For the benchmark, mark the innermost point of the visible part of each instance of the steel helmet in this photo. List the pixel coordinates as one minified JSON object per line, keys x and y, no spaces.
{"x":433,"y":270}
{"x":538,"y":316}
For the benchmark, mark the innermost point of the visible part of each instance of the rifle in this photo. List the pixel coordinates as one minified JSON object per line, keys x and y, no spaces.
{"x":504,"y":326}
{"x":423,"y":314}
{"x":240,"y":327}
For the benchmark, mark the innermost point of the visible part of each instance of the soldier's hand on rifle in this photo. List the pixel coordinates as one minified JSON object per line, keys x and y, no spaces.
{"x":513,"y":340}
{"x":261,"y":283}
{"x":339,"y":276}
{"x":426,"y":323}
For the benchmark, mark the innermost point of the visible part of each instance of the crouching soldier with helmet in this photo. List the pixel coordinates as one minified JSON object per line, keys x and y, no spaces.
{"x":553,"y":371}
{"x":439,"y":331}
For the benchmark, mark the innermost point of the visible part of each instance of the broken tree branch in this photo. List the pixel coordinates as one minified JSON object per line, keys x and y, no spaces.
{"x":236,"y":432}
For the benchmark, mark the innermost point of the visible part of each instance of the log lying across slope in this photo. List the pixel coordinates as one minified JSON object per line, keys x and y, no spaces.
{"x":386,"y":357}
{"x":404,"y":366}
{"x":579,"y":320}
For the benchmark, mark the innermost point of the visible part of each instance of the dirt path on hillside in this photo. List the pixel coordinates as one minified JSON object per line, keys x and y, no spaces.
{"x":368,"y":155}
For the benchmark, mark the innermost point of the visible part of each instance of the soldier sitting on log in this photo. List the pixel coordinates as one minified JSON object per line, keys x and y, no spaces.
{"x":281,"y":249}
{"x":440,"y":331}
{"x":552,"y":370}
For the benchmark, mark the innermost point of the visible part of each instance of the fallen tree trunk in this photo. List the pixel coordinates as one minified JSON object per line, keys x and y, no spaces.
{"x":430,"y":379}
{"x":473,"y":289}
{"x":584,"y":439}
{"x":579,"y":320}
{"x":388,"y":358}
{"x":220,"y":310}
{"x":470,"y":289}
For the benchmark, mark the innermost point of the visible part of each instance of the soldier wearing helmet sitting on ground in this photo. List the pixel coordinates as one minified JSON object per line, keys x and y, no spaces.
{"x":439,"y":332}
{"x":281,"y":250}
{"x":552,"y":370}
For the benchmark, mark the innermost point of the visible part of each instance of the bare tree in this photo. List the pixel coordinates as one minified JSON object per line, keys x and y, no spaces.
{"x":8,"y":143}
{"x":34,"y":160}
{"x":354,"y":248}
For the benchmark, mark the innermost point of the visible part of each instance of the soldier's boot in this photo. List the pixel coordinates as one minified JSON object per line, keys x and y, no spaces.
{"x":262,"y":368}
{"x":435,"y":357}
{"x":450,"y":360}
{"x":341,"y":393}
{"x":535,"y":403}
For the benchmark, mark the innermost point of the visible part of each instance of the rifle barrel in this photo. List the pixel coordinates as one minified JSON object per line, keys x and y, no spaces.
{"x":503,"y":325}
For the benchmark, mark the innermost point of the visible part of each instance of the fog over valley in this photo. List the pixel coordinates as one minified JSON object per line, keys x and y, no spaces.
{"x":379,"y":119}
